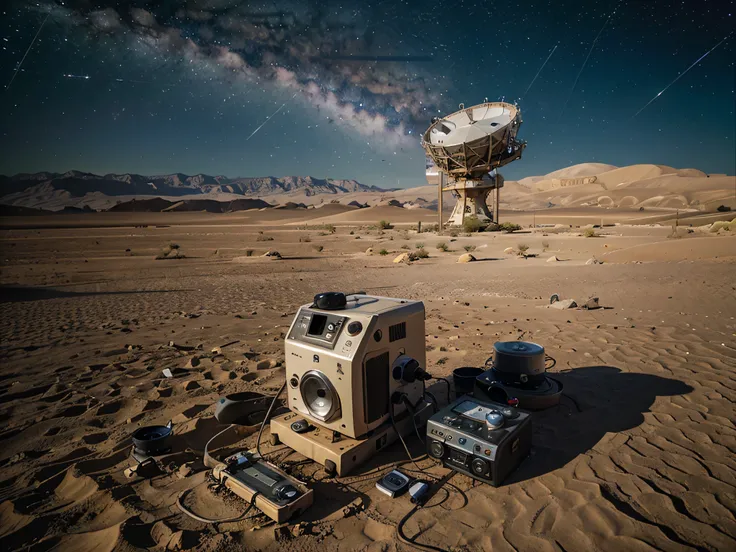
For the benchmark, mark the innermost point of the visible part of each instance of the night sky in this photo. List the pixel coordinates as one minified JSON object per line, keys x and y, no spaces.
{"x":345,"y":89}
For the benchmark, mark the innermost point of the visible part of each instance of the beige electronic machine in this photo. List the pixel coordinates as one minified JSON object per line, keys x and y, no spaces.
{"x":355,"y":378}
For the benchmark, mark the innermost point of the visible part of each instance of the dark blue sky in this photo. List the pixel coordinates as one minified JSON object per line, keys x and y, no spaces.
{"x":179,"y":86}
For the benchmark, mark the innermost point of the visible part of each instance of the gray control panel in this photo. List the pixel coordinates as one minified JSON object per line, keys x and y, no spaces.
{"x":317,"y":327}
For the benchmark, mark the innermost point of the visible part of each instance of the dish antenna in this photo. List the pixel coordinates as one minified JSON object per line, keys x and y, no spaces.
{"x":466,"y":148}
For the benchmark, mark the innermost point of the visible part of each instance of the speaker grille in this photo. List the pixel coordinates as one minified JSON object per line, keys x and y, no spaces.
{"x":376,"y":392}
{"x":396,"y":332}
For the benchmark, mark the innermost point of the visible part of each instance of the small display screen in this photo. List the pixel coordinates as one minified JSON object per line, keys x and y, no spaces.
{"x":457,"y":456}
{"x":317,"y":325}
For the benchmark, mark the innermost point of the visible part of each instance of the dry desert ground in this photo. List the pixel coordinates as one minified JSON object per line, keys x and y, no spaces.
{"x":638,"y":456}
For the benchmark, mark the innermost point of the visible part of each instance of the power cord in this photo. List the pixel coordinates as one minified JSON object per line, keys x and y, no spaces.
{"x":187,"y":511}
{"x":447,"y":383}
{"x":265,"y":420}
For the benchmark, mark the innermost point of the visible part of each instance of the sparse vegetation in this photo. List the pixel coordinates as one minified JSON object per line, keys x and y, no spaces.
{"x":249,"y":252}
{"x":509,"y":227}
{"x":305,"y":239}
{"x":473,"y":224}
{"x":453,"y":232}
{"x":590,"y":233}
{"x":442,"y":246}
{"x":421,"y":253}
{"x":384,"y":225}
{"x":404,"y":246}
{"x":419,"y":245}
{"x":522,"y":248}
{"x":383,"y":252}
{"x":469,"y":248}
{"x":545,"y":245}
{"x":171,"y":251}
{"x":262,"y":237}
{"x":318,"y":248}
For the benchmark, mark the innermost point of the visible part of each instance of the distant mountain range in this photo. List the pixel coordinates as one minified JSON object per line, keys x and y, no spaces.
{"x":78,"y":184}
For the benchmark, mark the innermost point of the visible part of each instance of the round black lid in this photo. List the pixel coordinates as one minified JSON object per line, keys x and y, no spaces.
{"x":330,"y":300}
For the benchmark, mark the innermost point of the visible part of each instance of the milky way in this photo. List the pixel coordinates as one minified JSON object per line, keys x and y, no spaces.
{"x":344,"y":88}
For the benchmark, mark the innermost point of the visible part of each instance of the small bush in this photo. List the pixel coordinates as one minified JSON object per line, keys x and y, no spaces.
{"x":248,"y":252}
{"x":173,"y":246}
{"x":522,"y":248}
{"x":404,"y":246}
{"x":442,"y":246}
{"x":589,"y":233}
{"x":509,"y":227}
{"x":421,"y":253}
{"x":419,"y":245}
{"x":261,"y":237}
{"x":384,"y":225}
{"x":318,"y":248}
{"x":545,"y":245}
{"x":469,"y":248}
{"x":383,"y":252}
{"x":473,"y":224}
{"x":305,"y":239}
{"x":331,"y":228}
{"x":352,"y":232}
{"x":453,"y":232}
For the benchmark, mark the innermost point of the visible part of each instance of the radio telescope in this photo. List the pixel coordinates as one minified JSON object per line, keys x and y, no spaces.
{"x":467,"y":148}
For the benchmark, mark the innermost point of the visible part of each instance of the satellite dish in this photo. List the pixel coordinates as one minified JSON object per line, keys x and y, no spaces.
{"x":470,"y":143}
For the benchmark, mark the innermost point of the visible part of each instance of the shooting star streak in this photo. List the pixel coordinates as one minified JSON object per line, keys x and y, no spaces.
{"x":586,"y":59}
{"x":682,"y":74}
{"x":540,"y":70}
{"x":270,"y":117}
{"x":38,"y":32}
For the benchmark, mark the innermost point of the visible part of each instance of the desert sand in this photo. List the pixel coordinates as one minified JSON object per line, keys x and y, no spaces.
{"x":638,"y":456}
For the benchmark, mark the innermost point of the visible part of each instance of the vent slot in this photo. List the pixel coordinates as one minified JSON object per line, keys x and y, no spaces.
{"x":396,"y":332}
{"x":376,"y":387}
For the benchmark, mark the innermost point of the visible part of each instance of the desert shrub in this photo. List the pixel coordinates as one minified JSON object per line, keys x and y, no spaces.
{"x":318,"y":248}
{"x":405,"y":235}
{"x":352,"y":232}
{"x":442,"y":246}
{"x":383,"y":252}
{"x":305,"y":239}
{"x":421,"y":253}
{"x":419,"y":245}
{"x":171,"y":251}
{"x":545,"y":245}
{"x":721,"y":225}
{"x":473,"y":224}
{"x":509,"y":227}
{"x":248,"y":252}
{"x":262,"y":237}
{"x":322,"y":234}
{"x":384,"y":225}
{"x":404,"y":246}
{"x":453,"y":232}
{"x":331,"y":228}
{"x":469,"y":248}
{"x":589,"y":233}
{"x":522,"y":248}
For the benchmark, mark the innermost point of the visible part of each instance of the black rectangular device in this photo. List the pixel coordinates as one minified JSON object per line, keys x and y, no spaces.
{"x":482,"y":439}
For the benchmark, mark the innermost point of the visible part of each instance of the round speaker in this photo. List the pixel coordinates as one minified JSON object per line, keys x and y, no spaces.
{"x":479,"y":466}
{"x":319,"y":395}
{"x":436,"y":449}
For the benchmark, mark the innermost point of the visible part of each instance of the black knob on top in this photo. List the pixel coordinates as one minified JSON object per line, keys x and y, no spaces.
{"x":330,"y":300}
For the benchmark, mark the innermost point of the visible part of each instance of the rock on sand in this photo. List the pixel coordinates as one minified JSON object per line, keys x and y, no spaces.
{"x":553,"y":259}
{"x":466,"y":258}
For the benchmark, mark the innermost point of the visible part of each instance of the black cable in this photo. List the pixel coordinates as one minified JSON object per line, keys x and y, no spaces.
{"x":400,"y":527}
{"x":203,"y":519}
{"x":265,"y":420}
{"x":448,"y":387}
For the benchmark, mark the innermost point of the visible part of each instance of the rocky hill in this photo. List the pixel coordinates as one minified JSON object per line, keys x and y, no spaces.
{"x":51,"y":190}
